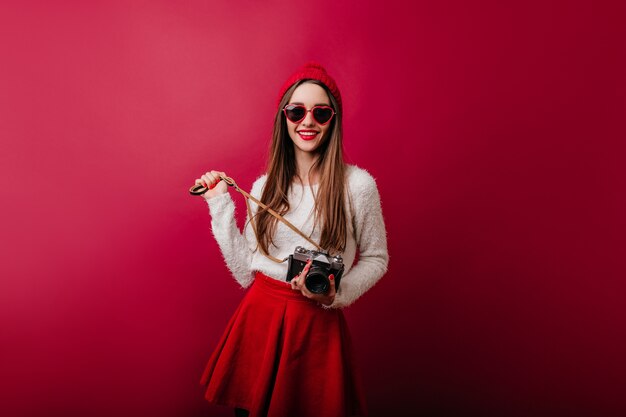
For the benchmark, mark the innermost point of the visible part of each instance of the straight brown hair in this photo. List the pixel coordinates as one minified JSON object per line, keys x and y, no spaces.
{"x":282,"y":171}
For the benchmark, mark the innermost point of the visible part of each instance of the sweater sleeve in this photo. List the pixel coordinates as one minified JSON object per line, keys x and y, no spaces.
{"x":237,"y":248}
{"x":371,"y":237}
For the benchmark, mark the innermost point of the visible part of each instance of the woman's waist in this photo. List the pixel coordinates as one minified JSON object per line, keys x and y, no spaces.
{"x":278,"y":288}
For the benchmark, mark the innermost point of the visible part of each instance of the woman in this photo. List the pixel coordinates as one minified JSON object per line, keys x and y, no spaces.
{"x":287,"y":351}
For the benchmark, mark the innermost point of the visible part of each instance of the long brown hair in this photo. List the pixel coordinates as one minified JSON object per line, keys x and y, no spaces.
{"x":281,"y":171}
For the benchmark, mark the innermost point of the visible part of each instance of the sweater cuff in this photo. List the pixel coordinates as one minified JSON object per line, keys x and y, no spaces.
{"x":218,"y":203}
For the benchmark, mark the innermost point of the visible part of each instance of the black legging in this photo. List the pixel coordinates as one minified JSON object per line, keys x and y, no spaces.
{"x":240,"y":412}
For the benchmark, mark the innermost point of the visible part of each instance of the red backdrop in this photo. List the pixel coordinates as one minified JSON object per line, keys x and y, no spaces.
{"x":496,"y":135}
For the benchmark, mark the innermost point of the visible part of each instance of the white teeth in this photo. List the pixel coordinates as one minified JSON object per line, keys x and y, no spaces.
{"x":308,"y":133}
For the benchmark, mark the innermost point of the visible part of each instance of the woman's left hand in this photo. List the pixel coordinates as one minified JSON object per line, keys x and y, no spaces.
{"x":297,"y":283}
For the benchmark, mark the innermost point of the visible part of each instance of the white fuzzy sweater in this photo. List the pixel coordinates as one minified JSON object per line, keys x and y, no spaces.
{"x":366,"y":230}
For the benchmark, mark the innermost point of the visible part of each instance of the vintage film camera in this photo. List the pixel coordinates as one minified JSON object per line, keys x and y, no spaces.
{"x":322,"y":266}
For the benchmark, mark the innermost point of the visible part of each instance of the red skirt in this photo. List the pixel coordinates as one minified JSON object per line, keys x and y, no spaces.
{"x":283,"y":355}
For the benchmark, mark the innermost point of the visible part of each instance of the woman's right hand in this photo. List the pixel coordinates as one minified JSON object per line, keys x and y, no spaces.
{"x":209,"y":179}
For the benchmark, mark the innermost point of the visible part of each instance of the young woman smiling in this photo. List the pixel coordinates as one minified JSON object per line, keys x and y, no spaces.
{"x":287,"y":351}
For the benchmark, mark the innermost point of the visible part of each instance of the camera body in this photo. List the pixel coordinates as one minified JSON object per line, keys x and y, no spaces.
{"x":322,"y":266}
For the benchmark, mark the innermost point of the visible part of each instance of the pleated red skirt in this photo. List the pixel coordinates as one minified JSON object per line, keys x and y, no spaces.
{"x":283,"y":355}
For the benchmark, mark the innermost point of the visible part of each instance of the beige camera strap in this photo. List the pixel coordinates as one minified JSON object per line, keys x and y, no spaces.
{"x":232,"y":183}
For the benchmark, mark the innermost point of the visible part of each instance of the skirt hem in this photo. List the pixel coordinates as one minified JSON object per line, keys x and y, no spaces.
{"x":278,"y":343}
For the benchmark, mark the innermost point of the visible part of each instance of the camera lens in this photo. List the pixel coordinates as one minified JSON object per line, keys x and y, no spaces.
{"x":317,"y":281}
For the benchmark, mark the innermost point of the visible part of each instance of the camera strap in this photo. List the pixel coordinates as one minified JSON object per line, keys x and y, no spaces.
{"x":199,"y":189}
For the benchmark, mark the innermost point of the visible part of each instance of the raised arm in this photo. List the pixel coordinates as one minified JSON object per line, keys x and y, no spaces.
{"x":237,"y":248}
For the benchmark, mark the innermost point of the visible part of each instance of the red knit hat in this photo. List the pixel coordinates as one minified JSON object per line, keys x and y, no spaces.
{"x":313,"y":70}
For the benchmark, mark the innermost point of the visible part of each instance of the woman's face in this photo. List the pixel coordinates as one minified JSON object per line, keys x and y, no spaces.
{"x":307,"y":135}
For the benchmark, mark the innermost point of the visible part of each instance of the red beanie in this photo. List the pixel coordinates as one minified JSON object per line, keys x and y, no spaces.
{"x":313,"y":70}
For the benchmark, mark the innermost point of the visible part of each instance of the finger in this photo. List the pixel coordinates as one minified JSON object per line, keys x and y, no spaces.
{"x":298,"y":277}
{"x":212,"y":178}
{"x":216,"y":174}
{"x":302,"y":275}
{"x":331,"y":292}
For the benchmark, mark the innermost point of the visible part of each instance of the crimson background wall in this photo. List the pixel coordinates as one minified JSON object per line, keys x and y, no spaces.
{"x":495,"y":131}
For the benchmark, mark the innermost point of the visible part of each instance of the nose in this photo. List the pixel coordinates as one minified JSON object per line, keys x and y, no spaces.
{"x":308,"y":119}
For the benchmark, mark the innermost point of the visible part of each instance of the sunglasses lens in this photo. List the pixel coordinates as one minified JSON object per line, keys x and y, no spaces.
{"x":322,"y":114}
{"x":295,"y":113}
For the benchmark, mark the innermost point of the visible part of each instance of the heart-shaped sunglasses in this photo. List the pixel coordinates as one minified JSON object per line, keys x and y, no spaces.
{"x":297,"y":112}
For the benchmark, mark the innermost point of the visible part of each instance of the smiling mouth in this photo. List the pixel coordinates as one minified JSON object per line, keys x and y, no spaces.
{"x":308,"y":135}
